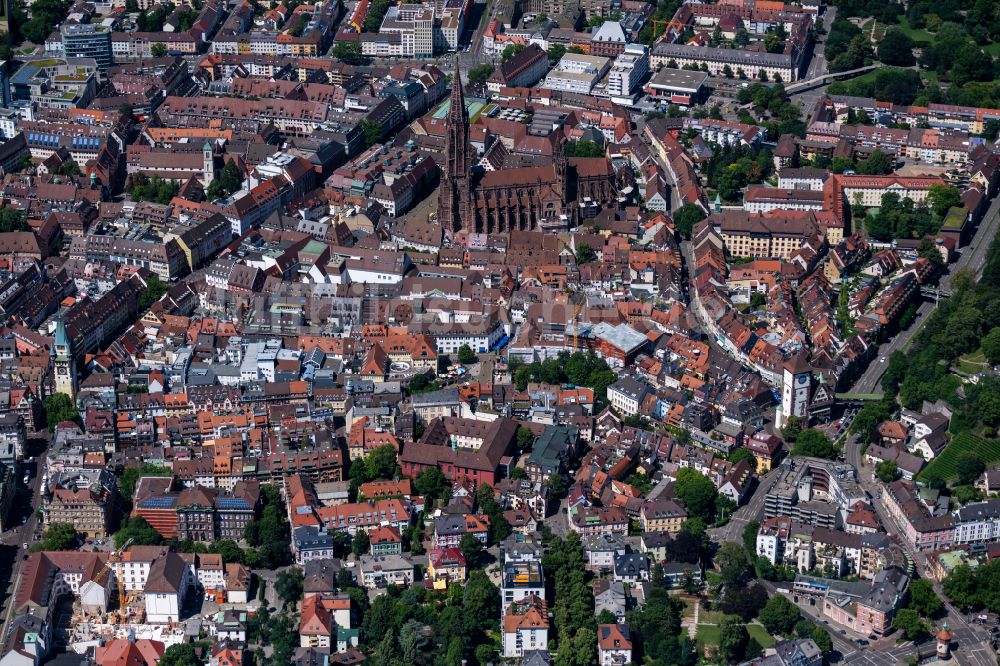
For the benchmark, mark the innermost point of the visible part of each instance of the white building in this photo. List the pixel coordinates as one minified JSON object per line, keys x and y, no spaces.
{"x":977,"y":523}
{"x":415,"y":26}
{"x":627,"y":394}
{"x":380,"y":571}
{"x":628,"y":72}
{"x":166,"y":587}
{"x":614,"y":644}
{"x":525,"y":627}
{"x":577,"y":73}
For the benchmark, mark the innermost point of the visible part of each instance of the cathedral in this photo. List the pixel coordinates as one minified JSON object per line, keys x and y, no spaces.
{"x":551,"y":197}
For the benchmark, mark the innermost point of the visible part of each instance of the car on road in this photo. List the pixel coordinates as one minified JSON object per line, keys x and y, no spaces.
{"x":882,"y":360}
{"x":25,"y":546}
{"x":860,"y":642}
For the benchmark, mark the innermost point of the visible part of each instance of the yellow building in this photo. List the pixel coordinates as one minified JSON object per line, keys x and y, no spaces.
{"x":662,"y":515}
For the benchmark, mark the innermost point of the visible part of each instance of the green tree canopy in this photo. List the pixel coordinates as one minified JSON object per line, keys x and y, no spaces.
{"x":779,"y":615}
{"x":686,"y":217}
{"x":585,"y":254}
{"x":289,"y":585}
{"x":697,"y":493}
{"x":812,"y":442}
{"x":887,"y":471}
{"x":59,"y":536}
{"x":59,"y":407}
{"x":896,"y":48}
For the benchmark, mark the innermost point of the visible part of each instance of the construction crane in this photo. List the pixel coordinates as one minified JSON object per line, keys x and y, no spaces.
{"x":114,"y":558}
{"x":656,"y":22}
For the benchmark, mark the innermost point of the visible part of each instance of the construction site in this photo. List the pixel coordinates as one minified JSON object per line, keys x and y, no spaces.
{"x":104,"y":610}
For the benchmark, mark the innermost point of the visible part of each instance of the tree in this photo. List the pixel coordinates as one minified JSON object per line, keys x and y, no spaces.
{"x":472,"y":550}
{"x":481,"y":599}
{"x":289,"y":584}
{"x":941,"y":197}
{"x":582,"y":149}
{"x":750,"y":536}
{"x":228,"y":181}
{"x":887,"y":471}
{"x":991,"y":346}
{"x":360,"y":544}
{"x":556,"y":52}
{"x":908,"y":621}
{"x":499,"y":527}
{"x":875,"y":164}
{"x":823,"y":640}
{"x":270,"y":534}
{"x":733,"y":638}
{"x":510,"y":51}
{"x":697,"y":493}
{"x":732,"y":562}
{"x":924,"y":599}
{"x":379,"y":463}
{"x":866,"y":422}
{"x":12,"y":219}
{"x":525,"y":438}
{"x":744,"y":601}
{"x":465,"y":355}
{"x":686,"y":217}
{"x":59,"y":407}
{"x":184,"y":654}
{"x":779,"y":615}
{"x":348,"y":52}
{"x":556,"y":485}
{"x":59,"y":536}
{"x":969,"y":467}
{"x":372,"y":131}
{"x":154,"y":291}
{"x":585,"y":254}
{"x":814,"y":443}
{"x":896,"y":48}
{"x":139,"y":531}
{"x":742,"y":454}
{"x":376,"y":12}
{"x":69,"y":168}
{"x":158,"y":50}
{"x":480,"y":73}
{"x":432,"y":484}
{"x":793,"y":426}
{"x":128,"y":478}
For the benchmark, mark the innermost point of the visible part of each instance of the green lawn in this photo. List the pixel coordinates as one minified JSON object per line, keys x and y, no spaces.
{"x":709,"y":617}
{"x":993,"y":49}
{"x":708,"y":634}
{"x":917,"y":35}
{"x":987,"y":450}
{"x":759,"y":634}
{"x":973,"y":363}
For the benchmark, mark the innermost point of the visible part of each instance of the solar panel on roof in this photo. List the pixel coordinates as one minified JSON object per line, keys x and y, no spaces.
{"x":158,"y":502}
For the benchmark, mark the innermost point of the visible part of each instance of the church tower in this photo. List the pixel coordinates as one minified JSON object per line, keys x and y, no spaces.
{"x":63,"y":363}
{"x":454,"y":196}
{"x":208,"y":163}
